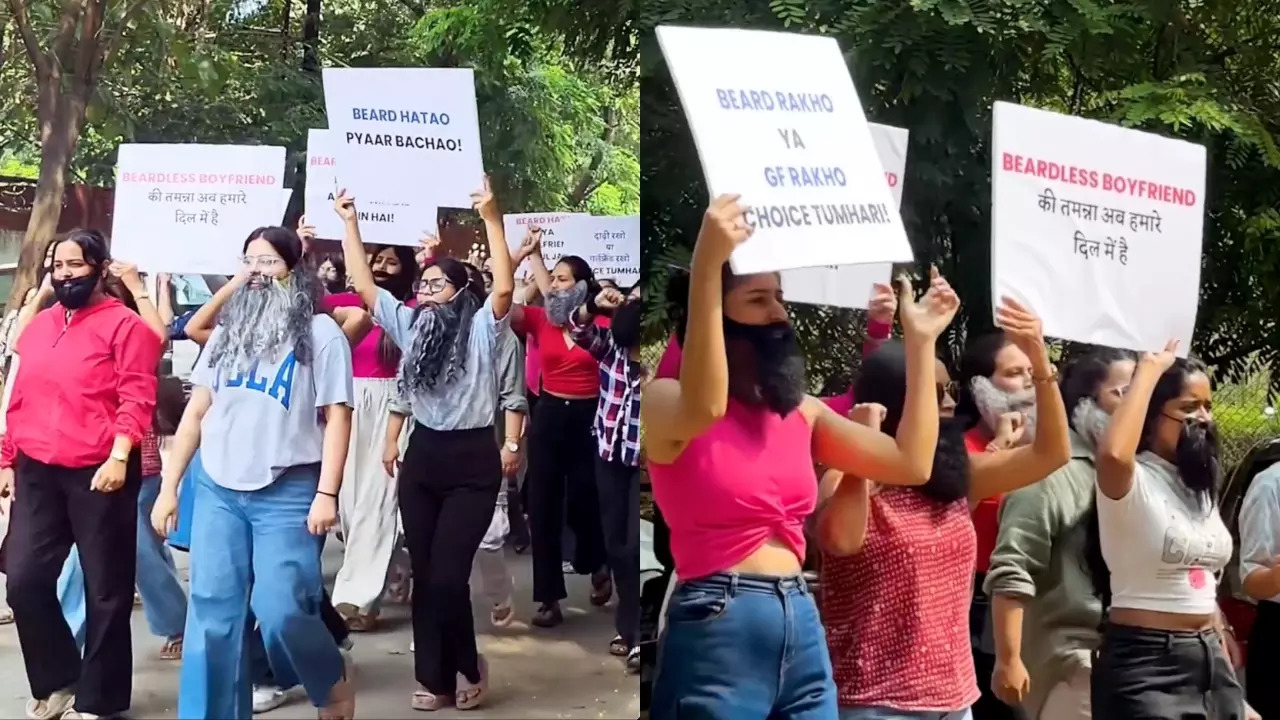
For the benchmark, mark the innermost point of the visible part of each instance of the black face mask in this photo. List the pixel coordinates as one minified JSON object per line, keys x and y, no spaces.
{"x":335,"y":285}
{"x":1197,"y":456}
{"x":778,"y":381}
{"x":626,"y":324}
{"x":74,"y":293}
{"x":949,"y":480}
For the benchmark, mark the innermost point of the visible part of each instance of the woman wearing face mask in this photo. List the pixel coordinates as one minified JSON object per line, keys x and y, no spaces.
{"x":617,"y":432}
{"x":997,"y":403}
{"x":78,"y":473}
{"x":367,"y":506}
{"x":1159,"y":543}
{"x":270,"y":412}
{"x":333,"y":274}
{"x":452,"y":470}
{"x":731,"y":447}
{"x":898,"y":561}
{"x":1044,"y":613}
{"x":562,"y":451}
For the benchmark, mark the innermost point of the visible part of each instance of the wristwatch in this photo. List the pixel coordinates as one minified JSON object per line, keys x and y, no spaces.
{"x":512,"y":445}
{"x":122,"y":457}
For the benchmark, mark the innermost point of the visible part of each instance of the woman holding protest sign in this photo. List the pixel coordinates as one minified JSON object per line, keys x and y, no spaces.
{"x":897,"y":562}
{"x":562,"y":449}
{"x":78,"y":473}
{"x":367,"y":506}
{"x":270,"y":412}
{"x":731,"y":447}
{"x":452,"y":470}
{"x":1158,"y":543}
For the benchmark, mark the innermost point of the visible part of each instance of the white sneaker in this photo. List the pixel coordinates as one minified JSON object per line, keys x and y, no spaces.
{"x":267,"y":698}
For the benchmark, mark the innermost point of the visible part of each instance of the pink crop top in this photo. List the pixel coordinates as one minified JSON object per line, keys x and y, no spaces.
{"x":748,"y":478}
{"x":365,"y":362}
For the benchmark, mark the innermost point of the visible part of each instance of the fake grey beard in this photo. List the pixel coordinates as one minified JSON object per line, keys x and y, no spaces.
{"x":560,"y":304}
{"x":993,"y":402}
{"x":1090,"y":422}
{"x":264,"y":320}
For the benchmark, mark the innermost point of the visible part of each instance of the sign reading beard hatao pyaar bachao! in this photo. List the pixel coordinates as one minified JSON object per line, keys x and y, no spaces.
{"x":407,"y":142}
{"x":776,"y":119}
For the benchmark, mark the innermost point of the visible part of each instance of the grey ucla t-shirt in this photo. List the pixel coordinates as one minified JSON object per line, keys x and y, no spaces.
{"x":268,"y":418}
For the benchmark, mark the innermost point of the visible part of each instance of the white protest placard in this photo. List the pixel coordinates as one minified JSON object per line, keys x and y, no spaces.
{"x":561,"y":235}
{"x":407,"y":142}
{"x":188,"y":208}
{"x":614,"y":252}
{"x":322,"y":183}
{"x":850,"y":285}
{"x":777,"y":120}
{"x":1097,"y":228}
{"x":286,"y":196}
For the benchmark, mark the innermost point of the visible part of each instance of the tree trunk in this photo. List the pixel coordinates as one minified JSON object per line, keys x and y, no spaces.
{"x":311,"y":38}
{"x":587,"y":182}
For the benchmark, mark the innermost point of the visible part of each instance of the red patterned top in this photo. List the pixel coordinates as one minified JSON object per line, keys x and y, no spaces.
{"x":150,"y":454}
{"x":897,"y":613}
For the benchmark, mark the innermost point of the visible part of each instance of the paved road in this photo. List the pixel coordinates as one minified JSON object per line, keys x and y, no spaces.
{"x":562,"y":673}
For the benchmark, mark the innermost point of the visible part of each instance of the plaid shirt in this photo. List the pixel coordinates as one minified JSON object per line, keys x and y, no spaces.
{"x":617,"y":426}
{"x":150,"y":454}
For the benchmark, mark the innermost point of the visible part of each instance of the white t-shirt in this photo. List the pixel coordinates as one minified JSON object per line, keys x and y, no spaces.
{"x":267,"y":418}
{"x":1164,"y":551}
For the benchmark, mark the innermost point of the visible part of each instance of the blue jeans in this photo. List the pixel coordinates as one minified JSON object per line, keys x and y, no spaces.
{"x":180,"y":538}
{"x":743,"y":647}
{"x":163,"y":601}
{"x":251,"y":552}
{"x":868,"y":712}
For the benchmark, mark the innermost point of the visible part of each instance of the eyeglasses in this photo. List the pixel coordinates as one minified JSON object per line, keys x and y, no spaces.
{"x":433,"y":285}
{"x":947,"y":390}
{"x":263,"y":262}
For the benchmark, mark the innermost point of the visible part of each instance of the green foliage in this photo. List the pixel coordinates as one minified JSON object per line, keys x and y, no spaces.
{"x":1201,"y":71}
{"x":559,"y":133}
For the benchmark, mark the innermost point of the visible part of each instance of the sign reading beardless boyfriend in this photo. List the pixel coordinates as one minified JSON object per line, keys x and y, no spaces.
{"x":777,"y":120}
{"x":188,"y":208}
{"x":1097,"y":228}
{"x":850,"y":285}
{"x":406,"y":143}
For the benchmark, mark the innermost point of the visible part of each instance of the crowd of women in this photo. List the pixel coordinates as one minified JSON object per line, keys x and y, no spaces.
{"x":379,"y":393}
{"x":1026,"y":540}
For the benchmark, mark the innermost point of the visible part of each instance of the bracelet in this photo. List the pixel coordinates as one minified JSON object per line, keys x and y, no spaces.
{"x":1051,"y":377}
{"x":327,"y":494}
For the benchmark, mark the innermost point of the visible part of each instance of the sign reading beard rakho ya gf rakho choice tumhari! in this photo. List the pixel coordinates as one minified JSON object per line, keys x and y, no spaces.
{"x":776,"y":119}
{"x":1097,"y":228}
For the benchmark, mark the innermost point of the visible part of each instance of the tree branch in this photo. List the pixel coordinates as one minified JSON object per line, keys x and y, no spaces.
{"x":65,"y":39}
{"x":23,"y":20}
{"x":89,"y":55}
{"x":587,"y":183}
{"x":112,"y":43}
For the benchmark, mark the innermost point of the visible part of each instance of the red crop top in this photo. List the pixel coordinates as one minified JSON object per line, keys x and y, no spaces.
{"x":567,"y":369}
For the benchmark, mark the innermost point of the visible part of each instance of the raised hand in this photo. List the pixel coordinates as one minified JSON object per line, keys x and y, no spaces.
{"x":1021,"y":326}
{"x":883,"y":305}
{"x":724,"y":228}
{"x":609,"y":299}
{"x":127,"y":274}
{"x":1163,"y":359}
{"x":928,"y":317}
{"x":870,"y":414}
{"x":345,"y":206}
{"x":484,"y":203}
{"x":306,"y":231}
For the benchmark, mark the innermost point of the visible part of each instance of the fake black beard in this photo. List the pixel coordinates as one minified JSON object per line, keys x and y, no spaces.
{"x":949,"y":480}
{"x":776,"y":379}
{"x":1197,"y":457}
{"x":335,"y":285}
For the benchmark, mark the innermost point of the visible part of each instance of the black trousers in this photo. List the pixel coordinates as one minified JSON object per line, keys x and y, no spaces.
{"x":1262,"y":666}
{"x":619,"y":489}
{"x":57,"y":509}
{"x":449,"y":482}
{"x":561,"y":479}
{"x":1142,"y":674}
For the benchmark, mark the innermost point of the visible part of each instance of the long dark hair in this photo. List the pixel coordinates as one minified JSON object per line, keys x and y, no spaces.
{"x":1167,"y":388}
{"x":978,"y":360}
{"x":883,"y":380}
{"x":97,"y":254}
